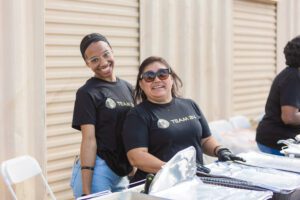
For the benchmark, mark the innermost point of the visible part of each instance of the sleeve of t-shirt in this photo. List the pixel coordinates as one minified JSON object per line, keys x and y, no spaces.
{"x":205,"y":128}
{"x":130,"y":87}
{"x":135,"y":132}
{"x":84,"y":110}
{"x":290,"y":92}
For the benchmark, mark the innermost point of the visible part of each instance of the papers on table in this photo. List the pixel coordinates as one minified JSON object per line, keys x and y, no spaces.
{"x":271,"y":161}
{"x":272,"y":179}
{"x":194,"y":190}
{"x":177,"y":180}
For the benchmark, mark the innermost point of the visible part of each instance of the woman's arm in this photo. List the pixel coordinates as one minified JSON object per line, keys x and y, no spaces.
{"x":88,"y":151}
{"x":210,"y":146}
{"x":141,"y":159}
{"x":290,"y":115}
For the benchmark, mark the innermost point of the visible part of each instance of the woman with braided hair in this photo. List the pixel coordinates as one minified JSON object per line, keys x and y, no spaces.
{"x":282,"y":111}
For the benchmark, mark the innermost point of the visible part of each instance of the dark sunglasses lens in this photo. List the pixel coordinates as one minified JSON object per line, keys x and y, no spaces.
{"x":149,"y":76}
{"x":163,"y":74}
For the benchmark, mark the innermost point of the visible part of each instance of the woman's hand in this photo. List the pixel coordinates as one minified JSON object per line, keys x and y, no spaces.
{"x":132,"y":173}
{"x":225,"y":154}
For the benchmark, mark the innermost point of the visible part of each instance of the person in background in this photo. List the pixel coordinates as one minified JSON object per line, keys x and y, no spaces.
{"x":282,"y":116}
{"x":163,"y":123}
{"x":100,"y":108}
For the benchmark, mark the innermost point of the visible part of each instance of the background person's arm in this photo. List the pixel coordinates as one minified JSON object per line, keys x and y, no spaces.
{"x":141,"y":159}
{"x":290,"y":115}
{"x":88,"y":151}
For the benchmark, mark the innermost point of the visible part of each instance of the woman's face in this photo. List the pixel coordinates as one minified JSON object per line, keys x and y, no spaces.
{"x":159,"y":89}
{"x":99,"y":58}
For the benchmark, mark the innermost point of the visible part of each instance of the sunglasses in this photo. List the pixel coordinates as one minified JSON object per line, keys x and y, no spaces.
{"x":162,"y":74}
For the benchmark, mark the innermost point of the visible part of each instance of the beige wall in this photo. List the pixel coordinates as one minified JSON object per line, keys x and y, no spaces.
{"x":66,"y":22}
{"x":190,"y":34}
{"x":288,"y":26}
{"x":22,"y":103}
{"x":254,"y":55}
{"x":194,"y":36}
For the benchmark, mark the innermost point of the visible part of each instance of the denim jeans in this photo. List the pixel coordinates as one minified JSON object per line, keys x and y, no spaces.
{"x":269,"y":150}
{"x":103,"y":179}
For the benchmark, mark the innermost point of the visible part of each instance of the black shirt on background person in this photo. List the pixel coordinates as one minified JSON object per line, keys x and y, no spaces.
{"x":282,"y":116}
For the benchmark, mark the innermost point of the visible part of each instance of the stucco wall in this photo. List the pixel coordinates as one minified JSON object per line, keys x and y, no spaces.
{"x":22,"y":104}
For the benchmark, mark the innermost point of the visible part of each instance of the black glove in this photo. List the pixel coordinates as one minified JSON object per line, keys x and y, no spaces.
{"x":225,"y":154}
{"x":201,"y":168}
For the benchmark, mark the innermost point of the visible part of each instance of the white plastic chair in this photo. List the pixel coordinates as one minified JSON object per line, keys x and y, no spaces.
{"x":220,"y":126}
{"x":240,"y":121}
{"x":259,"y":117}
{"x":20,"y":169}
{"x":217,"y":128}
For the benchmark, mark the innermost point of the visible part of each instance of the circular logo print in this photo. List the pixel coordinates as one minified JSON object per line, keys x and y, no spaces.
{"x":109,"y":103}
{"x":162,"y":123}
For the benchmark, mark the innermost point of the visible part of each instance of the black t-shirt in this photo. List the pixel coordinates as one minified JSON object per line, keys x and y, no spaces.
{"x":105,"y":105}
{"x":285,"y":90}
{"x":165,"y":129}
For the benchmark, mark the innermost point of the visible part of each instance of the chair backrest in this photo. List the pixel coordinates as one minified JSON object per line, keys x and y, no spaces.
{"x":259,"y":117}
{"x":219,"y":126}
{"x":19,"y":169}
{"x":240,"y":121}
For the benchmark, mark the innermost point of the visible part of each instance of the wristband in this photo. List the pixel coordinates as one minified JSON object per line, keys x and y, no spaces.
{"x":215,"y":150}
{"x":87,"y":167}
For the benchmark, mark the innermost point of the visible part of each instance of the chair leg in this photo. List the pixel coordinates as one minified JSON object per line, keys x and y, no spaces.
{"x":12,"y":191}
{"x":48,"y":188}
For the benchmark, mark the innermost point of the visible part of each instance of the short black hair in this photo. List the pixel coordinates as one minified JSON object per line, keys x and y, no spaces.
{"x":292,"y":52}
{"x":90,"y":38}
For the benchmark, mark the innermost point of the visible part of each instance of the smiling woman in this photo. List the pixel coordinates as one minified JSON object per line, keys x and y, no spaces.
{"x":99,"y":58}
{"x":100,"y":108}
{"x":151,"y":68}
{"x":163,"y":123}
{"x":156,"y":83}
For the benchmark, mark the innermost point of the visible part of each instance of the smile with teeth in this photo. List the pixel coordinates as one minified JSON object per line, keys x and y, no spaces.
{"x":158,"y":87}
{"x":104,"y":68}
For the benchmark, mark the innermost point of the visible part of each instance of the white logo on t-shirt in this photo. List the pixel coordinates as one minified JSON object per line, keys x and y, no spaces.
{"x":183,"y":119}
{"x":162,"y":123}
{"x":109,"y":103}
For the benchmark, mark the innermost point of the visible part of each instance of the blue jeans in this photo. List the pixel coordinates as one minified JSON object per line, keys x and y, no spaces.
{"x":269,"y":150}
{"x":103,"y":179}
